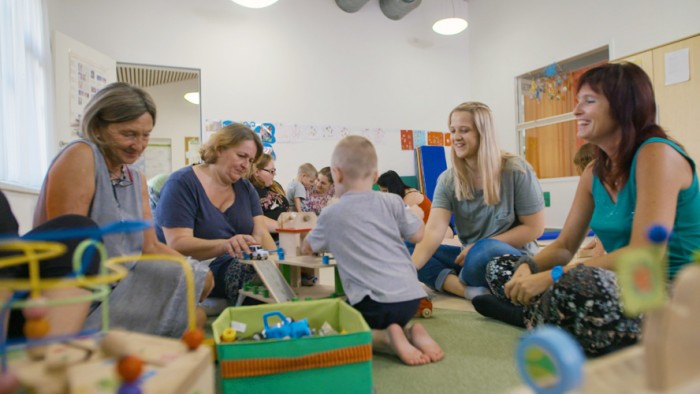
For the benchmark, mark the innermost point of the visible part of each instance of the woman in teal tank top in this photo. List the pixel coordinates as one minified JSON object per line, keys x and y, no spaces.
{"x":639,"y":178}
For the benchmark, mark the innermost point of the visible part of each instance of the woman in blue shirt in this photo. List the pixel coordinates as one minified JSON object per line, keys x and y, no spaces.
{"x":211,"y":211}
{"x":640,"y":178}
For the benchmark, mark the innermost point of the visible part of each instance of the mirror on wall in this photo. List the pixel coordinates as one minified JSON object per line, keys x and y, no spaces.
{"x":176,"y":137}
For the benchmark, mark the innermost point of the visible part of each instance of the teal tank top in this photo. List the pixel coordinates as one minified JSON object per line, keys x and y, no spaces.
{"x":612,"y":222}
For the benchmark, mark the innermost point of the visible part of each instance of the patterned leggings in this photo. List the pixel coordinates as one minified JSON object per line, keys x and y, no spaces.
{"x":584,"y":302}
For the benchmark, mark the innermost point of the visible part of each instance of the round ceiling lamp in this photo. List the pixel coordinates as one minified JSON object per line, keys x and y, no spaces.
{"x":450,"y":26}
{"x":192,"y":97}
{"x":255,"y":3}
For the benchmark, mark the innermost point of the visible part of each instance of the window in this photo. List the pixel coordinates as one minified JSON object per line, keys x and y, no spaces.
{"x":25,"y":105}
{"x":546,"y":123}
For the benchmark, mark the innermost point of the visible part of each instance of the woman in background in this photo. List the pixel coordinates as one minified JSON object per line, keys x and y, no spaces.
{"x":273,"y":199}
{"x":391,"y":182}
{"x":321,"y":193}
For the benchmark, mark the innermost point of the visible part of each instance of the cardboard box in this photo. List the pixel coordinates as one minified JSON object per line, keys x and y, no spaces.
{"x":339,"y":363}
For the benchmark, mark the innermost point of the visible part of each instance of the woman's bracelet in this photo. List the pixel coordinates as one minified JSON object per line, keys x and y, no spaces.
{"x":530,"y":263}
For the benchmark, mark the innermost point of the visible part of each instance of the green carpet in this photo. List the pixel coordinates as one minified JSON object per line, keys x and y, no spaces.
{"x":479,"y":358}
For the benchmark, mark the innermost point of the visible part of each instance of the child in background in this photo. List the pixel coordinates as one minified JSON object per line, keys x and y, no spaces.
{"x":299,"y":187}
{"x":321,"y":193}
{"x":374,"y":265}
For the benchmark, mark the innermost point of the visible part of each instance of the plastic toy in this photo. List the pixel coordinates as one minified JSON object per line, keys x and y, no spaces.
{"x":287,"y":328}
{"x":425,"y":308}
{"x":550,"y":360}
{"x":256,"y":253}
{"x":228,"y":335}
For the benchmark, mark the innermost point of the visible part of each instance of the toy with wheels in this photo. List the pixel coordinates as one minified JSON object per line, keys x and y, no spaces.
{"x":549,"y":360}
{"x":286,"y":328}
{"x":425,"y":308}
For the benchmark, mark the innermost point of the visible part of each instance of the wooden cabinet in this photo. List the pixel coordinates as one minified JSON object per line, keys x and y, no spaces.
{"x":679,"y":103}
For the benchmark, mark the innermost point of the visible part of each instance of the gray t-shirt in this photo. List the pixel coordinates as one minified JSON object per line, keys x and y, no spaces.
{"x":365,"y":233}
{"x":295,"y":189}
{"x":521,"y":195}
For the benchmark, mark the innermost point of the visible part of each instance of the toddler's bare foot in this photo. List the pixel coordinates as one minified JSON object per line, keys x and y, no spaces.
{"x":400,"y":346}
{"x":420,"y":338}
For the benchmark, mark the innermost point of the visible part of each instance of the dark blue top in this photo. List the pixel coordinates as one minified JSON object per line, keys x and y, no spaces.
{"x":183,"y":203}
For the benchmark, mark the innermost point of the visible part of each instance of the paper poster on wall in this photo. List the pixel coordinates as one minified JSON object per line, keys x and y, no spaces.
{"x":406,"y":139}
{"x":420,"y":138}
{"x":448,"y":139}
{"x":86,"y":79}
{"x":192,"y":146}
{"x":156,"y":159}
{"x":435,"y":138}
{"x":677,"y":66}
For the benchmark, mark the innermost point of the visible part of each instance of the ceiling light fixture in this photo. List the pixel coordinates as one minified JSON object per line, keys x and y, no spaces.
{"x":192,"y":97}
{"x":450,"y":26}
{"x":255,"y":3}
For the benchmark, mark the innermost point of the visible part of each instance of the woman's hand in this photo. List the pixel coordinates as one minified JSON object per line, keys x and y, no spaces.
{"x":524,"y":286}
{"x":238,"y":244}
{"x":459,"y":260}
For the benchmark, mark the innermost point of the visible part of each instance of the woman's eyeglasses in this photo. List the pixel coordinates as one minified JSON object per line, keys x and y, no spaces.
{"x":126,"y":179}
{"x":270,"y":171}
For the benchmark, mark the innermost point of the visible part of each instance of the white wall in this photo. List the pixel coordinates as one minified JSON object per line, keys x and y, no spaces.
{"x":176,"y":118}
{"x":298,"y":61}
{"x":508,"y":38}
{"x":310,"y":62}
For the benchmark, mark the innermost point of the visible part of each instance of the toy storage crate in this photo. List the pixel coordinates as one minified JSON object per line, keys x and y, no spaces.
{"x":339,"y":363}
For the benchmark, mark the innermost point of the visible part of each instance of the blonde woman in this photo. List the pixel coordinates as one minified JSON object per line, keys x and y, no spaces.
{"x":210,"y":210}
{"x":496,"y":201}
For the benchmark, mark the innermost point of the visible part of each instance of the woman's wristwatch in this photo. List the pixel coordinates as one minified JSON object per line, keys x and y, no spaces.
{"x":557,"y":272}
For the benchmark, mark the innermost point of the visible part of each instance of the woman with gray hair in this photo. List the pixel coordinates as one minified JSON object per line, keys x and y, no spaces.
{"x":94,"y":176}
{"x":211,"y":210}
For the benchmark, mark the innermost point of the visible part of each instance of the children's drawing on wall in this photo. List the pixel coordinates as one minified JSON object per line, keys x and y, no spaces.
{"x":406,"y":139}
{"x":272,"y":133}
{"x":86,"y":79}
{"x":420,"y":138}
{"x":435,"y":138}
{"x":192,"y":145}
{"x":266,"y":131}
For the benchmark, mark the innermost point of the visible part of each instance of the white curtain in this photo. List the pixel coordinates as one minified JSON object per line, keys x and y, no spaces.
{"x":25,"y":98}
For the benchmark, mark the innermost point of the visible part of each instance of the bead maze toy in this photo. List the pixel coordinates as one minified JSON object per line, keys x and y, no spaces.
{"x":666,"y":361}
{"x":108,"y":361}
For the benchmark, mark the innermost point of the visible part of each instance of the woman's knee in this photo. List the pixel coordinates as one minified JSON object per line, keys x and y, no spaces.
{"x":208,"y":285}
{"x":481,"y":253}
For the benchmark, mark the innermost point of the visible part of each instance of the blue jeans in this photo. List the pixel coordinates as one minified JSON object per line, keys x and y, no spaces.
{"x":473,"y":273}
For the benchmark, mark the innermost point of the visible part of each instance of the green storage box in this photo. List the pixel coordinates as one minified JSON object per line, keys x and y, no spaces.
{"x":318,"y":364}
